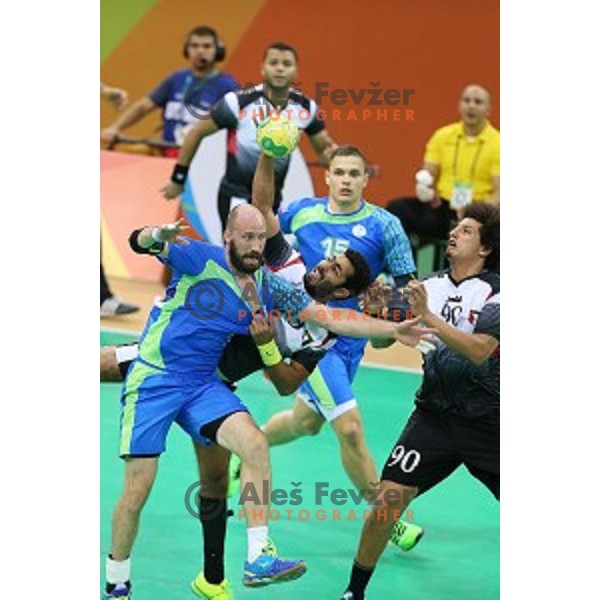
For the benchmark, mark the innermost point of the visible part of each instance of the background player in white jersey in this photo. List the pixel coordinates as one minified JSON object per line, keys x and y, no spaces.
{"x":239,"y":113}
{"x":457,"y":408}
{"x":323,"y":227}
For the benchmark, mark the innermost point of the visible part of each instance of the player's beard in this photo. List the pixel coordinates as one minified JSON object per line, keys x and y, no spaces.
{"x":319,"y":290}
{"x":237,"y":260}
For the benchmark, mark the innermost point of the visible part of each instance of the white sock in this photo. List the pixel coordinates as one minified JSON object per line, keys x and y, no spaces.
{"x":118,"y":571}
{"x":257,"y":540}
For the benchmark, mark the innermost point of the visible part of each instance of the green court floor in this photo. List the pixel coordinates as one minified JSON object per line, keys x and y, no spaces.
{"x":459,"y":558}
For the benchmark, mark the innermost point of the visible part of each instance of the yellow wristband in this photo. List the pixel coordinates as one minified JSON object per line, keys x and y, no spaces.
{"x":270,"y":354}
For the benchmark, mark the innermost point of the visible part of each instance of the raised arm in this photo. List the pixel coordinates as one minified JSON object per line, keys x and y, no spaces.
{"x":323,"y":145}
{"x":263,"y":192}
{"x":191,"y":143}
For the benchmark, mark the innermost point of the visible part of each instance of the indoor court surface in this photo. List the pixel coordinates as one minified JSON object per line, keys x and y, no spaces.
{"x":459,"y":557}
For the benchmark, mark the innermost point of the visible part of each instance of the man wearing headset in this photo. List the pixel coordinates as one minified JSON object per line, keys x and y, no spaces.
{"x":185,"y":94}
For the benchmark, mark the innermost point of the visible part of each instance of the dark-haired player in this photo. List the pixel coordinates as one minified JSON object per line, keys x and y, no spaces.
{"x":324,"y":227}
{"x":239,"y":113}
{"x":457,"y":408}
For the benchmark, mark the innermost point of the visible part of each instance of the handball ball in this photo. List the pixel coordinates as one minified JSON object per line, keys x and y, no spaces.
{"x":277,"y":136}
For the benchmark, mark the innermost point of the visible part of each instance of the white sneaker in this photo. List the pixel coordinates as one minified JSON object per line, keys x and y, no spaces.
{"x":112,"y":307}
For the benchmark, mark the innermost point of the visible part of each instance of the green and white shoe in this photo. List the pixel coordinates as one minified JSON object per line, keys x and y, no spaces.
{"x":406,"y":535}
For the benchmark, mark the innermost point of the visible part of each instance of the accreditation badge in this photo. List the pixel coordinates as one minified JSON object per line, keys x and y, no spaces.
{"x":462,"y":195}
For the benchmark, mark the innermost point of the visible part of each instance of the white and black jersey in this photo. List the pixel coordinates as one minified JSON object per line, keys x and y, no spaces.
{"x":240,"y":112}
{"x":304,"y":342}
{"x":451,"y":383}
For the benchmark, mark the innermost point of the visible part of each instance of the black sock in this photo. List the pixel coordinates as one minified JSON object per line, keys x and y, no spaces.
{"x":359,"y":580}
{"x":213,"y":516}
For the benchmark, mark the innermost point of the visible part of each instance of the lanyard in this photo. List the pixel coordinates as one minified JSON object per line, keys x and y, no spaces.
{"x":475,"y":158}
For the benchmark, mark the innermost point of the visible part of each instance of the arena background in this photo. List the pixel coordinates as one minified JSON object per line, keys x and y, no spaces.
{"x":433,"y":46}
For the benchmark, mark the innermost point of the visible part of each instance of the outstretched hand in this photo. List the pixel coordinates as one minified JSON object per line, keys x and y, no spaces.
{"x":417,"y":296}
{"x":171,"y":190}
{"x":170,"y":232}
{"x":410,"y":334}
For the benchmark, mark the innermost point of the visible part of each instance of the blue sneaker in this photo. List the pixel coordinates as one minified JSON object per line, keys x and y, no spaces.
{"x":268,"y":569}
{"x":122,"y":592}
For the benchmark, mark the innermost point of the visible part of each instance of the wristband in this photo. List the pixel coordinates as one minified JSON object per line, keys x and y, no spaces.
{"x":270,"y":354}
{"x":156,"y":247}
{"x":179,"y":174}
{"x":155,"y":235}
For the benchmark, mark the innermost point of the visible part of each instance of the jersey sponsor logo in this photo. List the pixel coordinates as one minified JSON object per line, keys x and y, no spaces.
{"x":359,"y":231}
{"x":473,"y":316}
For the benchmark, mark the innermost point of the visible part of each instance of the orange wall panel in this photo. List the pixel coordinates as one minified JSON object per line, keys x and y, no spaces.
{"x":130,"y":198}
{"x":435,"y":47}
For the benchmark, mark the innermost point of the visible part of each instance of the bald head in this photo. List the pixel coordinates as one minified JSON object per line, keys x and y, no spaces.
{"x":245,"y":237}
{"x":479,"y":91}
{"x":474,"y":106}
{"x":243,"y":216}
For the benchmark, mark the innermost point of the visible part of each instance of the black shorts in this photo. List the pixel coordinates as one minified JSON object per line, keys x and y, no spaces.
{"x":432,"y":446}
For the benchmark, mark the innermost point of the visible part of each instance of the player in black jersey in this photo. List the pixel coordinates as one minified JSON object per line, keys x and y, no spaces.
{"x":240,"y":113}
{"x":457,"y":408}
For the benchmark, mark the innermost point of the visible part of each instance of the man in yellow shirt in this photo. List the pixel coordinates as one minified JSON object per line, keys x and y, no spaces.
{"x":461,"y":165}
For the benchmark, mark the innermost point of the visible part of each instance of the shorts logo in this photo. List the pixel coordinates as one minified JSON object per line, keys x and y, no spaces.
{"x":407,"y":461}
{"x":359,"y":231}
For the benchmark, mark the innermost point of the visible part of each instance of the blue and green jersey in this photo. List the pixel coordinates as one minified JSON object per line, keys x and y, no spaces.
{"x":370,"y":230}
{"x":204,"y":306}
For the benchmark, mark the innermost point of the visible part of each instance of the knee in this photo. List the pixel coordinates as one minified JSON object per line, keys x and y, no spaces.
{"x":395,"y":496}
{"x":215,"y":485}
{"x":256,"y":448}
{"x":308,"y":425}
{"x":351,"y":434}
